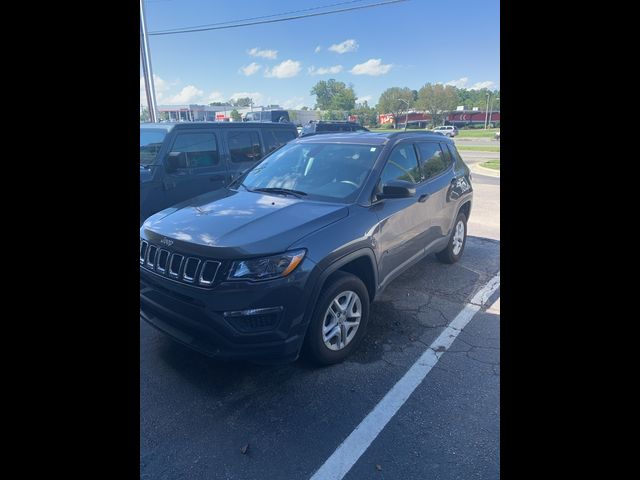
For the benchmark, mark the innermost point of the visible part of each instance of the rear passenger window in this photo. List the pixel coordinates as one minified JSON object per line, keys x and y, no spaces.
{"x":402,"y":165}
{"x":284,"y":136}
{"x":456,"y":157}
{"x":276,"y":138}
{"x":432,"y":159}
{"x":244,"y":146}
{"x":200,"y":149}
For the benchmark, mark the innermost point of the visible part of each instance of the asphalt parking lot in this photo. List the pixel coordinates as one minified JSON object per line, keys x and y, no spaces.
{"x":204,"y":419}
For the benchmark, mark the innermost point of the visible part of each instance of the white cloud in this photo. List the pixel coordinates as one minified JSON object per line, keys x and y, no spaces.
{"x":295,"y":103}
{"x":256,"y":96}
{"x":481,"y":85}
{"x":215,"y":97}
{"x":463,"y":82}
{"x":347,"y":46}
{"x":286,"y":69}
{"x":161,"y":87}
{"x":271,"y":54}
{"x":250,"y":69}
{"x":318,"y":48}
{"x":189,"y":94}
{"x":324,"y":70}
{"x":459,"y":83}
{"x":366,"y":98}
{"x":373,"y":67}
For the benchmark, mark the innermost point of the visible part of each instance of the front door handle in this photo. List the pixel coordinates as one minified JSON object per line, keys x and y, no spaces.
{"x":423,"y":198}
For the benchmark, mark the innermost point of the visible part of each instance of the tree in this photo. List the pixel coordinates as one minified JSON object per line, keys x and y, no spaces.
{"x":366,"y":115}
{"x":235,"y":116}
{"x":305,"y":108}
{"x":334,"y":95}
{"x":144,"y":115}
{"x":393,"y":101}
{"x":242,"y":102}
{"x":437,"y":99}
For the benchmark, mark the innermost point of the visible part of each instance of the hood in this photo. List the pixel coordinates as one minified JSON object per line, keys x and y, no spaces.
{"x":230,"y":224}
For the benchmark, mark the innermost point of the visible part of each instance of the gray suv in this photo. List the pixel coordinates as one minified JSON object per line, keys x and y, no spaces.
{"x":289,"y":257}
{"x":447,"y":130}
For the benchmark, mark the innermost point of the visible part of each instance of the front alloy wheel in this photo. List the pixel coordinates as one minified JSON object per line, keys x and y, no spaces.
{"x":341,"y":320}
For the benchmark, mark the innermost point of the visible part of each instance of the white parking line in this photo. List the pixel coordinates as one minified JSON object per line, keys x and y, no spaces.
{"x":349,"y":451}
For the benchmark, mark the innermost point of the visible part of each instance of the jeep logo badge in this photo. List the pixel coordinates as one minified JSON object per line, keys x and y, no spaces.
{"x":166,"y":241}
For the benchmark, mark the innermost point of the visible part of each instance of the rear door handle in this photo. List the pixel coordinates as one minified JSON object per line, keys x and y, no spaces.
{"x":423,"y":198}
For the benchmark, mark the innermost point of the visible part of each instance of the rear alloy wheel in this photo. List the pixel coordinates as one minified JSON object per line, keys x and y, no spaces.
{"x":457,"y":241}
{"x":339,"y":321}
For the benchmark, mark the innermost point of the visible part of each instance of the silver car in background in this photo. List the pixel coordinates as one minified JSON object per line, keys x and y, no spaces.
{"x":447,"y":130}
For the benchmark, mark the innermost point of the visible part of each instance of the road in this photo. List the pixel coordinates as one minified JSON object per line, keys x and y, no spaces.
{"x":196,"y":414}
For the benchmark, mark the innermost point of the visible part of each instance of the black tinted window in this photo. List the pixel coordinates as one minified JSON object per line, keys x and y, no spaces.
{"x":200,"y":149}
{"x":270,"y":140}
{"x":285,"y":136}
{"x":244,"y":146}
{"x":456,"y":157}
{"x":402,"y":165}
{"x":150,"y":143}
{"x":432,"y":159}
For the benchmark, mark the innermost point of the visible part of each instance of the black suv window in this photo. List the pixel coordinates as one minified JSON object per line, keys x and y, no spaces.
{"x":456,"y":156}
{"x":276,"y":138}
{"x":432,"y":159}
{"x":244,"y":146}
{"x":200,"y":149}
{"x":402,"y":165}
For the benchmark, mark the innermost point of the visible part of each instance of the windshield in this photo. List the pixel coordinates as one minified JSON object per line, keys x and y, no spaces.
{"x":324,"y":170}
{"x":150,"y":143}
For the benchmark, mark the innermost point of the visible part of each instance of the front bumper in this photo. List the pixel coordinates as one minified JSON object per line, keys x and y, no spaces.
{"x":196,"y":317}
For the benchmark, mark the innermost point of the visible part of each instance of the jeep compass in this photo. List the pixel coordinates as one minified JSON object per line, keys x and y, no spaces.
{"x":288,"y":258}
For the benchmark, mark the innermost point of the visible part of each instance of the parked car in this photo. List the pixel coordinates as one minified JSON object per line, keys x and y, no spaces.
{"x":183,"y":160}
{"x":313,"y":128}
{"x":447,"y":130}
{"x":267,"y":116}
{"x":290,"y":256}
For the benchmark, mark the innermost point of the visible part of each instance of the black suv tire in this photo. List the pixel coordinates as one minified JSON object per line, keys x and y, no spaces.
{"x":447,"y":255}
{"x":314,"y":346}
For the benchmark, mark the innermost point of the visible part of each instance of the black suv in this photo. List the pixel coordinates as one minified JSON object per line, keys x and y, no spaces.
{"x":313,"y":128}
{"x":267,"y":116}
{"x":290,"y":256}
{"x":181,"y":160}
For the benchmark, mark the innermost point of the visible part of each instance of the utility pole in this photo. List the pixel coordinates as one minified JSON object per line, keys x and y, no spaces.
{"x":149,"y":86}
{"x":486,"y":111}
{"x":491,"y":110}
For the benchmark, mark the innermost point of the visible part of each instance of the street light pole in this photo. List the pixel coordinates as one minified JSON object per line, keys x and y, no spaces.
{"x":491,"y":110}
{"x":406,"y":117}
{"x":486,"y":111}
{"x":149,"y":86}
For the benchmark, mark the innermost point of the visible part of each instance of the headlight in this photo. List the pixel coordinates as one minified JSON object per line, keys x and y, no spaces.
{"x":266,"y":268}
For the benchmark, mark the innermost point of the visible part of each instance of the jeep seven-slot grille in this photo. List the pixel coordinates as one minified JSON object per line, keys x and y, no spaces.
{"x":176,"y":266}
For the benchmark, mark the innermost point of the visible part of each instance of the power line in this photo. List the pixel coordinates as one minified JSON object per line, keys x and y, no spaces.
{"x":257,"y":18}
{"x":191,"y":30}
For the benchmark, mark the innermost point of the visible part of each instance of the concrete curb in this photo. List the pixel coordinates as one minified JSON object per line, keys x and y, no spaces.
{"x":476,"y":168}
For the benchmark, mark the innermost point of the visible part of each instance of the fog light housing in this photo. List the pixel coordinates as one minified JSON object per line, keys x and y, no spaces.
{"x":255,"y":319}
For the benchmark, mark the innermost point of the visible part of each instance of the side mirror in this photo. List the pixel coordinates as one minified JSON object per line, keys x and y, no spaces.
{"x":175,"y":161}
{"x":398,"y":189}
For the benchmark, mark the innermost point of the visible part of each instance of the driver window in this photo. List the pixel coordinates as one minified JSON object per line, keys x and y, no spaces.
{"x":402,"y":165}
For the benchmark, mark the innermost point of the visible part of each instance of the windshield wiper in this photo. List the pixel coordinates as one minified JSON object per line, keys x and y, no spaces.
{"x":284,"y":191}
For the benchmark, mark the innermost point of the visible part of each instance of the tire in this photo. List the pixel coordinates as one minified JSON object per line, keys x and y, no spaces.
{"x":454,"y":249}
{"x":314,"y":348}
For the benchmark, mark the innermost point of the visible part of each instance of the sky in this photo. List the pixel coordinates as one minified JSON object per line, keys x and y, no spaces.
{"x":405,"y":44}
